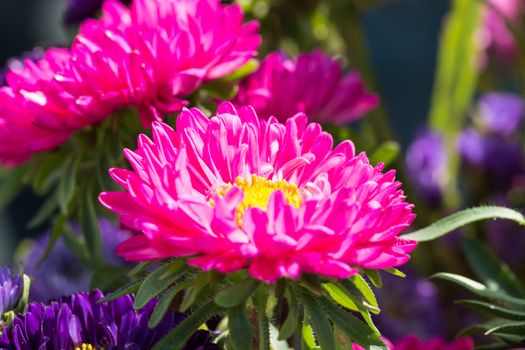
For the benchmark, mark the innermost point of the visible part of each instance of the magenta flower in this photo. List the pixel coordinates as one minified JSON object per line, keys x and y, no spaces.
{"x":36,"y":114}
{"x":159,"y":51}
{"x":497,"y":36}
{"x":314,"y":83}
{"x":414,"y":343}
{"x":236,"y":191}
{"x":149,"y":56}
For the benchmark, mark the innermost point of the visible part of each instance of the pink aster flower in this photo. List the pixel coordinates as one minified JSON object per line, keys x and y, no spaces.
{"x":149,"y":56}
{"x":236,"y":191}
{"x":497,"y":35}
{"x":414,"y":343}
{"x":159,"y":51}
{"x":314,"y":83}
{"x":36,"y":114}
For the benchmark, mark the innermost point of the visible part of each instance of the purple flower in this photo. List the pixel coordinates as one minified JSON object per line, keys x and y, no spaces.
{"x":11,"y":286}
{"x":501,"y":159}
{"x":62,"y":272}
{"x":422,"y":316}
{"x":426,"y":162}
{"x":72,"y":321}
{"x":501,"y":113}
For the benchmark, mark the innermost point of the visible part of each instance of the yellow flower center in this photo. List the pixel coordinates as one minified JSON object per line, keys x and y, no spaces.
{"x":87,"y":347}
{"x":257,"y":191}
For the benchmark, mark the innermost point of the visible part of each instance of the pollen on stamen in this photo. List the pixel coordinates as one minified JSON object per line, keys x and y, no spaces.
{"x":257,"y":191}
{"x":87,"y":347}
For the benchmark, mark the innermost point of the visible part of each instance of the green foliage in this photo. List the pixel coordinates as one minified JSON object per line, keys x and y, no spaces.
{"x":89,"y":224}
{"x":341,"y":296}
{"x":455,"y":81}
{"x":67,"y":184}
{"x":158,"y":281}
{"x":178,"y":337}
{"x":24,"y":297}
{"x":374,"y":277}
{"x":481,"y":290}
{"x":291,"y":323}
{"x":236,"y":294}
{"x":239,"y":327}
{"x":495,"y":275}
{"x":250,"y":305}
{"x":164,"y":303}
{"x":504,"y":299}
{"x":10,"y":186}
{"x":196,"y":292}
{"x":319,"y":322}
{"x":462,"y":218}
{"x":129,"y":288}
{"x":386,"y":153}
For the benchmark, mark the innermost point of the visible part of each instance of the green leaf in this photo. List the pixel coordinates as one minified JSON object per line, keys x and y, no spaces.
{"x":24,"y":297}
{"x":395,"y":272}
{"x":10,"y":186}
{"x":368,"y":319}
{"x":481,"y":327}
{"x":494,"y":273}
{"x":67,"y":184}
{"x":89,"y":224}
{"x":360,"y":292}
{"x":455,"y":81}
{"x":366,"y":292}
{"x":495,"y":346}
{"x":56,"y":231}
{"x":480,"y":289}
{"x":248,"y":68}
{"x":263,"y":329}
{"x":158,"y":281}
{"x":77,"y":246}
{"x":290,"y":324}
{"x":342,"y":342}
{"x":260,"y":301}
{"x":104,"y":179}
{"x":139,"y":268}
{"x":317,"y":319}
{"x":193,"y":292}
{"x":494,"y":310}
{"x":312,"y":283}
{"x":178,"y":337}
{"x":513,"y":328}
{"x":355,"y":329}
{"x":236,"y":294}
{"x":48,"y":171}
{"x":308,"y":336}
{"x":374,"y":277}
{"x":129,"y":288}
{"x":510,"y":339}
{"x":241,"y":334}
{"x":164,"y":303}
{"x":386,"y":153}
{"x":462,"y":218}
{"x":44,"y":212}
{"x":340,"y":296}
{"x":107,"y":277}
{"x":260,"y":297}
